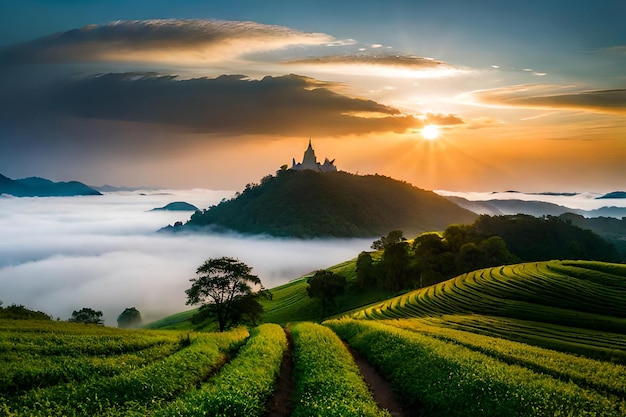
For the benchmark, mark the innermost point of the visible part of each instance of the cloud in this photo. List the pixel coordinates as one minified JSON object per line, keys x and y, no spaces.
{"x":404,"y":61}
{"x":60,"y":254}
{"x":174,"y":41}
{"x":229,"y":104}
{"x":544,"y":96}
{"x":441,"y":119}
{"x":408,"y":66}
{"x":618,"y":50}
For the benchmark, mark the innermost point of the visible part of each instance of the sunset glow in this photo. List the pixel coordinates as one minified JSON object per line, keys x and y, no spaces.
{"x":218,"y":97}
{"x":430,"y":132}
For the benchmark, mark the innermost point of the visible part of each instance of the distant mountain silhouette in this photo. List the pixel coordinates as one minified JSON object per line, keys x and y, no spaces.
{"x":41,"y":187}
{"x":534,"y":208}
{"x":614,"y":194}
{"x":177,"y":206}
{"x":308,"y":204}
{"x":607,"y":222}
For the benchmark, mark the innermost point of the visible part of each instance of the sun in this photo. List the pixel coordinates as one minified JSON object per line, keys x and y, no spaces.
{"x":430,"y":132}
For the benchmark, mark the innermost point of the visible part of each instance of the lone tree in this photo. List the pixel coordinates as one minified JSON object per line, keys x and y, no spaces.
{"x":87,"y":316}
{"x":223,"y":287}
{"x":326,"y":286}
{"x":130,"y":317}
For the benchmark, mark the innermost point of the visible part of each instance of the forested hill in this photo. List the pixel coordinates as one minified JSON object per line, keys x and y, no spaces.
{"x":41,"y":187}
{"x":308,"y":204}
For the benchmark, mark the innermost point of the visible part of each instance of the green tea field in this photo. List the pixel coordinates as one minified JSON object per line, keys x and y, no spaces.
{"x":537,"y":339}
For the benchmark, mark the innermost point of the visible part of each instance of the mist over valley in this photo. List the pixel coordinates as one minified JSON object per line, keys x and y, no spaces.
{"x":58,"y":255}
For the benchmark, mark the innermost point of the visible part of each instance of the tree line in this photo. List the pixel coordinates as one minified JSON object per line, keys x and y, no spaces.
{"x":489,"y":241}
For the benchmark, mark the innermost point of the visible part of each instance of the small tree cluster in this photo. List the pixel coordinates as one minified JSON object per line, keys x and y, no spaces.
{"x":326,"y":286}
{"x":87,"y":316}
{"x":129,"y":318}
{"x":19,"y":312}
{"x":432,"y":258}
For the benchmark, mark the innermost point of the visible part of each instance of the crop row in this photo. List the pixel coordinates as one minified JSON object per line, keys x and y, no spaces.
{"x":450,"y":379}
{"x":22,"y":371}
{"x":54,"y":339}
{"x":590,"y":343}
{"x":603,"y":376}
{"x":541,"y":291}
{"x":243,"y":386}
{"x":160,"y":380}
{"x":328,"y":382}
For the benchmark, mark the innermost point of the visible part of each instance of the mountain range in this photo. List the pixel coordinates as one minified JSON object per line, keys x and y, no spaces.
{"x":498,"y":207}
{"x":41,"y":187}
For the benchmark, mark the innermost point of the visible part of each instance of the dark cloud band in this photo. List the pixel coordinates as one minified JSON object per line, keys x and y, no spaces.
{"x":158,"y":40}
{"x":552,"y":97}
{"x":229,"y":104}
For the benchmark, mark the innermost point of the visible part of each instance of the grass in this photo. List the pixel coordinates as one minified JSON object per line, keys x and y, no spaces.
{"x":290,"y":303}
{"x":543,"y":292}
{"x":328,"y":382}
{"x":544,"y":338}
{"x":244,"y":385}
{"x":157,"y":380}
{"x":602,"y":376}
{"x":449,"y":379}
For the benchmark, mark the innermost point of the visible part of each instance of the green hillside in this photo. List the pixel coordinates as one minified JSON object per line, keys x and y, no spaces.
{"x":309,"y":204}
{"x":560,"y":304}
{"x":290,"y":303}
{"x":534,"y":339}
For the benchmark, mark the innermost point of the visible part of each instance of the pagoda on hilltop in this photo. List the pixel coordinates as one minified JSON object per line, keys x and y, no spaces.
{"x":309,"y":161}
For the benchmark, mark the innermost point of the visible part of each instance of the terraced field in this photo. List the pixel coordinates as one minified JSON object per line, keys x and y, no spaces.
{"x":540,"y":339}
{"x":566,"y":293}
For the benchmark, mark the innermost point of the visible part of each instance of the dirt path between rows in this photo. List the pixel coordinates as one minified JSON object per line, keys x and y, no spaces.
{"x":281,"y":405}
{"x":381,"y":389}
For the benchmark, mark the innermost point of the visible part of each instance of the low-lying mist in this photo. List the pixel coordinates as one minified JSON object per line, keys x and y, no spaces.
{"x":61,"y":254}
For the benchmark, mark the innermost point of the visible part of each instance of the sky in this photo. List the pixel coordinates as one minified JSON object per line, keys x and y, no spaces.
{"x":447,"y":95}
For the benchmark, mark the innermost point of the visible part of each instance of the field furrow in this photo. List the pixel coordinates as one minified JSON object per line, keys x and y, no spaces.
{"x":447,"y":379}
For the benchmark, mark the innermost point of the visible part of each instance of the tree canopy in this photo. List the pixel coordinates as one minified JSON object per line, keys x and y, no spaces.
{"x":326,"y":286}
{"x":87,"y":315}
{"x":224,"y":289}
{"x":19,"y":312}
{"x":489,"y":241}
{"x":130,"y":317}
{"x":309,"y":204}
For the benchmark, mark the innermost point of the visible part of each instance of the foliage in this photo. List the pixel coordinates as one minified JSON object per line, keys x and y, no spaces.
{"x":160,"y":369}
{"x":19,"y":312}
{"x":456,"y":381}
{"x":489,"y":241}
{"x":87,"y":315}
{"x":365,"y":272}
{"x":605,"y":377}
{"x":394,"y":237}
{"x":541,"y":239}
{"x":130,"y":317}
{"x":551,"y":292}
{"x":326,"y":286}
{"x":328,"y":382}
{"x":244,"y":385}
{"x":223,"y":288}
{"x":308,"y":204}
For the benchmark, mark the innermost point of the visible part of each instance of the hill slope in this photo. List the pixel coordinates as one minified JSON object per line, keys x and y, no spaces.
{"x":41,"y":187}
{"x":582,"y":294}
{"x":309,"y":204}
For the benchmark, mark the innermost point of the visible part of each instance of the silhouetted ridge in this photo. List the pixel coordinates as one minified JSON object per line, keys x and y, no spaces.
{"x":41,"y":187}
{"x":309,"y":204}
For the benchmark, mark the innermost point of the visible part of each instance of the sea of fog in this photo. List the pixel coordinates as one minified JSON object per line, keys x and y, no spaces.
{"x":60,"y":254}
{"x":63,"y":253}
{"x":583,"y":201}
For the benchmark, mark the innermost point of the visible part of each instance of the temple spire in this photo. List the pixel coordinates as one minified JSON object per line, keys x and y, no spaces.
{"x":309,"y":161}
